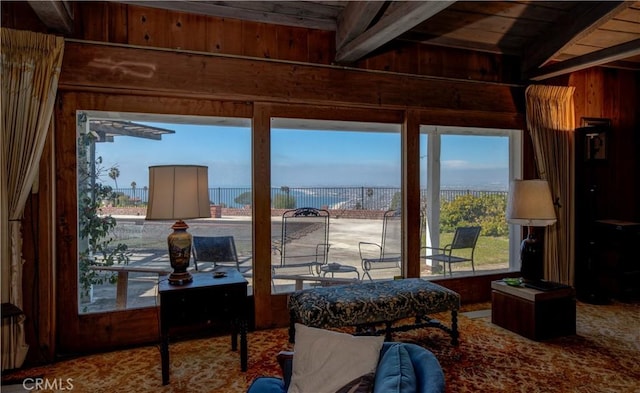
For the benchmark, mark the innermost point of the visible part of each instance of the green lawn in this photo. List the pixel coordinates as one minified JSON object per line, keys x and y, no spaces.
{"x":489,"y":250}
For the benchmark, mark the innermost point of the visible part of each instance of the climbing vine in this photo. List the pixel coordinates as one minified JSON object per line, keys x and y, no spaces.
{"x":97,"y":243}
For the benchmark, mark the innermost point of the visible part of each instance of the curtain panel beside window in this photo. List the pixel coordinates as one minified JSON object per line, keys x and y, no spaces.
{"x":30,"y":69}
{"x":551,"y":124}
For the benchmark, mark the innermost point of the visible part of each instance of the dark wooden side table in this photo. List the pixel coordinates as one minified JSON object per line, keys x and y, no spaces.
{"x":203,"y":302}
{"x":535,"y":314}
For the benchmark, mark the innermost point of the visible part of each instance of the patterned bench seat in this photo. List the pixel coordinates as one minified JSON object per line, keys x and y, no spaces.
{"x":364,"y":305}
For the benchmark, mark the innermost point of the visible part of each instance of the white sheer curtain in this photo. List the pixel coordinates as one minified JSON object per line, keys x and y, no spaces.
{"x":551,"y":123}
{"x":30,"y":70}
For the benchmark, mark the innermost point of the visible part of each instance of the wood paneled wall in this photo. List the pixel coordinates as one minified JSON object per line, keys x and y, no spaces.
{"x":420,"y":59}
{"x":39,"y":249}
{"x":20,"y":15}
{"x":147,"y":27}
{"x":614,"y":94}
{"x":134,"y":25}
{"x":607,"y":189}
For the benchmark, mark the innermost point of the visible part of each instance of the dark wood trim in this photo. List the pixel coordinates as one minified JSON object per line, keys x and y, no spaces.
{"x":68,"y":326}
{"x":482,"y":119}
{"x":411,"y":193}
{"x":261,"y":179}
{"x":332,"y":112}
{"x":128,"y":101}
{"x":182,"y":74}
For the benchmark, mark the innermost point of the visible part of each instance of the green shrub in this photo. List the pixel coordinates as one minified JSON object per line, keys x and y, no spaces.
{"x":487,"y":211}
{"x":396,"y":201}
{"x":282,"y":201}
{"x":122,"y":199}
{"x":243,"y":199}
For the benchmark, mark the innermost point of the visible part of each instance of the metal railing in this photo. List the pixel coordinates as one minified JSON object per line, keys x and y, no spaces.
{"x":449,"y":195}
{"x":347,"y":198}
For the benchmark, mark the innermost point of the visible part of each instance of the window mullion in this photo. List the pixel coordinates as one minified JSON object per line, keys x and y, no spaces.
{"x":433,"y":189}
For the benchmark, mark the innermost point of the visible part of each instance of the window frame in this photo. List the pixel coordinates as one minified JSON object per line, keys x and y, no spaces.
{"x":434,"y":148}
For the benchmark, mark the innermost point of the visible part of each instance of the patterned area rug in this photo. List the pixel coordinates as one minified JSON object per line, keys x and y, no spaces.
{"x":602,"y":357}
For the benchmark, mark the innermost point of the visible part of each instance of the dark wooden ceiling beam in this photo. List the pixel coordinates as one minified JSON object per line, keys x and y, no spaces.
{"x":404,"y":17}
{"x":449,"y":42}
{"x":580,"y":21}
{"x":354,"y":20}
{"x":55,"y":14}
{"x":603,"y":56}
{"x":624,"y":65}
{"x":236,"y":10}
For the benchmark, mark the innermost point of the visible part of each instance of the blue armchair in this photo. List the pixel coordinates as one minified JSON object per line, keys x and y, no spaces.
{"x":391,"y":375}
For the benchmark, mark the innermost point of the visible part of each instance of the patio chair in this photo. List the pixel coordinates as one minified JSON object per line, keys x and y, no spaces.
{"x":388,"y":253}
{"x":464,"y":238}
{"x":304,"y":245}
{"x":220,"y":250}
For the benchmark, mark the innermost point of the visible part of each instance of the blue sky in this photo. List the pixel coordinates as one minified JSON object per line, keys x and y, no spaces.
{"x":477,"y":161}
{"x":301,"y":158}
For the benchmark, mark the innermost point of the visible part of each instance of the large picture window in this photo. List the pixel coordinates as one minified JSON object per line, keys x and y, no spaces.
{"x":120,"y":254}
{"x":349,"y":174}
{"x":465,"y":175}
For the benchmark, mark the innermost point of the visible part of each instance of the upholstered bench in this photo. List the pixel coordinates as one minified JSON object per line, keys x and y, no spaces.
{"x":365,"y":305}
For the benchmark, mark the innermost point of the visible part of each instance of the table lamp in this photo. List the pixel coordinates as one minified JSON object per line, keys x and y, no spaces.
{"x":178,"y":192}
{"x":530,"y":204}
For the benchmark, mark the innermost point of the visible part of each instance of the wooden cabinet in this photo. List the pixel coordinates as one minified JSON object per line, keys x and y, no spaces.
{"x":617,"y":262}
{"x":537,"y":315}
{"x":205,"y":302}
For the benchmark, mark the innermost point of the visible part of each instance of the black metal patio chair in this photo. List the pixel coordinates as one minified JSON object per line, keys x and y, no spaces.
{"x":220,"y":250}
{"x":464,"y":238}
{"x":304,"y":245}
{"x":388,"y":253}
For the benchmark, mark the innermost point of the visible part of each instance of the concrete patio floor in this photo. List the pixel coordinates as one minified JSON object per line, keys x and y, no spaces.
{"x":147,"y":243}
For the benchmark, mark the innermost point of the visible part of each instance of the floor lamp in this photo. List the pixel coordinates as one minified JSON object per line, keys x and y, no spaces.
{"x":530,"y":204}
{"x":178,"y":192}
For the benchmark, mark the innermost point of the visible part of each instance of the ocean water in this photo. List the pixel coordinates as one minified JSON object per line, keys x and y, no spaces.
{"x":369,"y":198}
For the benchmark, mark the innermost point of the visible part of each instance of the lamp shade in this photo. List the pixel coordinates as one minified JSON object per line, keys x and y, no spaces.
{"x":530,"y":203}
{"x":178,"y":192}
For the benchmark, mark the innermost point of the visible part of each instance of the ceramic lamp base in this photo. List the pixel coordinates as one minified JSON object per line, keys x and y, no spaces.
{"x":179,"y":253}
{"x":532,"y":259}
{"x":180,"y":278}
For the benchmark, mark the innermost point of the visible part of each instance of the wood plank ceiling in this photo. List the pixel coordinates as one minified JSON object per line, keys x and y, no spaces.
{"x":551,"y":37}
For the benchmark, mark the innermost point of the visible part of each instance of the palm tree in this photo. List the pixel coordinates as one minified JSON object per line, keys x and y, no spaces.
{"x":114,"y":173}
{"x":133,"y":187}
